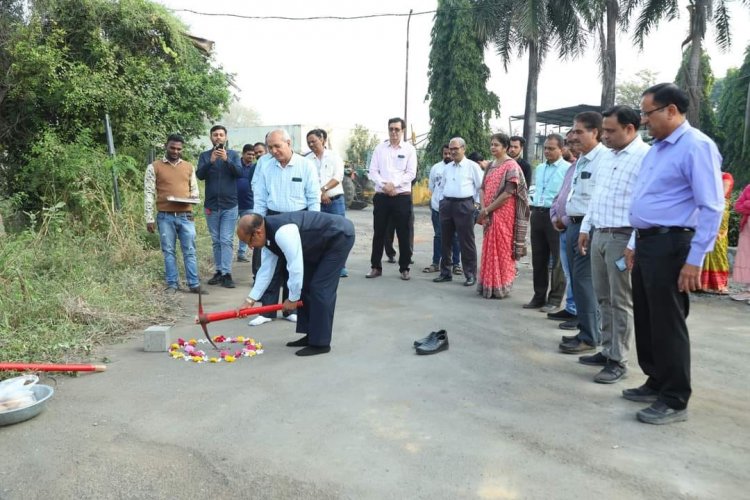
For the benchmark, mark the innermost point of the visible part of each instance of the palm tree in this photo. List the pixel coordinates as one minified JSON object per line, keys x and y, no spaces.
{"x":532,"y":27}
{"x":701,"y":12}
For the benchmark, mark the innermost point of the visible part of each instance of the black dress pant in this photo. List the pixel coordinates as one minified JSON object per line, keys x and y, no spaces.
{"x":319,"y":285}
{"x":659,"y":313}
{"x":399,"y":210}
{"x":457,"y":216}
{"x":545,"y":243}
{"x":390,"y":233}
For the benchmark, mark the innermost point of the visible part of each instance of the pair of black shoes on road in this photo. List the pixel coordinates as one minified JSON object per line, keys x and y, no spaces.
{"x":433,"y":343}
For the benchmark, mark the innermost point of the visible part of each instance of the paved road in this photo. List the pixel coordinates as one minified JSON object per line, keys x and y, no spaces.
{"x":499,"y":415}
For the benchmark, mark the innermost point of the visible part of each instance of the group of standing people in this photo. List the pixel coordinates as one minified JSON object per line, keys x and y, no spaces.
{"x":258,"y":187}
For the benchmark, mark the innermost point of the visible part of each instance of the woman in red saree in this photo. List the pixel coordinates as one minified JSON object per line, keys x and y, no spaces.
{"x":715,"y":272}
{"x":505,"y":217}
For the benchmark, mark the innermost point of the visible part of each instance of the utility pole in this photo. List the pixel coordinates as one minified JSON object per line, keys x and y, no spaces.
{"x":406,"y":84}
{"x":111,"y":148}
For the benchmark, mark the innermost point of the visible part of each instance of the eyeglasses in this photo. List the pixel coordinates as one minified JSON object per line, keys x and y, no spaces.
{"x":646,"y":114}
{"x":454,"y":149}
{"x":394,"y":129}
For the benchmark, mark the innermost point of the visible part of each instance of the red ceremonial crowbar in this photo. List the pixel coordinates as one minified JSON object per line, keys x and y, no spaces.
{"x":204,"y":318}
{"x":51,"y":367}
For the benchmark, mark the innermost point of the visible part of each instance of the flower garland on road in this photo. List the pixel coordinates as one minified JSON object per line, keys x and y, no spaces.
{"x":188,"y":350}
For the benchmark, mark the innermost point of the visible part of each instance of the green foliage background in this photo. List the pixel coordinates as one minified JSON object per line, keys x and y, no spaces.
{"x":460,"y":104}
{"x":731,"y":116}
{"x":74,"y":271}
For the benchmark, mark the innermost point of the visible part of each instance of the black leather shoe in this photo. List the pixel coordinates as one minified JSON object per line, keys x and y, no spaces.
{"x":575,"y":347}
{"x":312,"y":350}
{"x":597,"y":359}
{"x":428,"y":338}
{"x":642,"y":394}
{"x":568,"y":338}
{"x":569,"y":325}
{"x":470,"y":281}
{"x":534,"y":304}
{"x":561,"y":316}
{"x":435,"y":345}
{"x":442,"y":278}
{"x":391,"y":259}
{"x":197,"y":290}
{"x":301,"y":342}
{"x":216,"y":279}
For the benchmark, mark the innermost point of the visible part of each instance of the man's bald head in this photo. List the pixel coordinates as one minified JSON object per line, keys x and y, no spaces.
{"x":252,"y":230}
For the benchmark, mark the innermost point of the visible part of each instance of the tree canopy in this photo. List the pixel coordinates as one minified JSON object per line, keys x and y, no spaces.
{"x":70,"y":62}
{"x":460,"y":104}
{"x":732,"y":116}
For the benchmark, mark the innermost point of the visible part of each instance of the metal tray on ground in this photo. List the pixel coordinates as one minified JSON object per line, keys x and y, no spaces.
{"x":42,"y":394}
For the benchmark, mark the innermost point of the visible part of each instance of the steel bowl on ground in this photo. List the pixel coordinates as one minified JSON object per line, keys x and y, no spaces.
{"x":42,"y":393}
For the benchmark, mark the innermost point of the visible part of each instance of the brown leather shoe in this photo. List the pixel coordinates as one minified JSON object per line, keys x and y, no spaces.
{"x":374,"y":273}
{"x":405,"y":275}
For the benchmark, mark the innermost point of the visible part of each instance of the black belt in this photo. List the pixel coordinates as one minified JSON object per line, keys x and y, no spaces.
{"x":575,"y":219}
{"x":176,"y":214}
{"x":540,"y":209}
{"x":653,"y":231}
{"x":458,"y":199}
{"x":274,"y":212}
{"x":616,"y":230}
{"x":334,"y":198}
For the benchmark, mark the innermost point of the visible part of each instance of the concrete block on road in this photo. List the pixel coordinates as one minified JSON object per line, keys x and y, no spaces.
{"x":156,"y":338}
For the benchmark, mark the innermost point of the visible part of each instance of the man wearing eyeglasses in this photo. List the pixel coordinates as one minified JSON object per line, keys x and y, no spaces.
{"x":392,"y":168}
{"x":676,"y":211}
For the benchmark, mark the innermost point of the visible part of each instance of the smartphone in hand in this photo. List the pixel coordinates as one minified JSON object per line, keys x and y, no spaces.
{"x":621,"y":265}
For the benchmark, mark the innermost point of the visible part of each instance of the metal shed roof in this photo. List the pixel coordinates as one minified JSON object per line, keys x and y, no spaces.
{"x":560,"y":116}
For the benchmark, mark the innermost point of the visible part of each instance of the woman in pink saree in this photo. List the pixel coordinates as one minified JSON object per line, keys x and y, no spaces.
{"x":505,"y":217}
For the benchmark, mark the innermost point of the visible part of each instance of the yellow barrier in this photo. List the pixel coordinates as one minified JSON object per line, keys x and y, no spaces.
{"x":420,"y":193}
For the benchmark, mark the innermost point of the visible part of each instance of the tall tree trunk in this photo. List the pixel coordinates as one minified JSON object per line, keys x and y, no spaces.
{"x":694,"y":68}
{"x":529,"y":113}
{"x":609,"y":55}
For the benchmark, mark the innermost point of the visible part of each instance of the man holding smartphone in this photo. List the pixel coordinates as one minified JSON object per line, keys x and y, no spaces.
{"x":220,"y":167}
{"x":607,"y":214}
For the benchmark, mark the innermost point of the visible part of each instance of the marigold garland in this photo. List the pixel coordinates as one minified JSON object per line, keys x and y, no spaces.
{"x":187,"y":350}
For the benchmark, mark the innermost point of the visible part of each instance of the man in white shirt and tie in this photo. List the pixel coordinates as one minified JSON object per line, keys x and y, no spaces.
{"x":463,"y":179}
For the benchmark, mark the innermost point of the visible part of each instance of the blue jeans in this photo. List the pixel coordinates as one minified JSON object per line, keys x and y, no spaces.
{"x":242,"y":247}
{"x":221,"y":225}
{"x":336,"y":207}
{"x":437,"y":241}
{"x":570,"y":303}
{"x":180,"y":226}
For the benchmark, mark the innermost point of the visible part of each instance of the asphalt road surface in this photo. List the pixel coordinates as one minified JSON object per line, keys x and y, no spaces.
{"x":501,"y":414}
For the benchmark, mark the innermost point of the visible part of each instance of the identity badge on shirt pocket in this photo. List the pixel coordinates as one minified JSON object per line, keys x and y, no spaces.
{"x":296,"y":179}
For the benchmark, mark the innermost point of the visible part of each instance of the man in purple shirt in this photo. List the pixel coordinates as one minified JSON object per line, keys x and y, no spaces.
{"x":676,"y":210}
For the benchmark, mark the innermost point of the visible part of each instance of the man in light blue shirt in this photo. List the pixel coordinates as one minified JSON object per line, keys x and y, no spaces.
{"x":283,"y":182}
{"x":545,"y":241}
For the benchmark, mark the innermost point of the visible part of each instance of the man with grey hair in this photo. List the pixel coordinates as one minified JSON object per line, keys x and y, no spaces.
{"x":463,"y":178}
{"x":283,"y":182}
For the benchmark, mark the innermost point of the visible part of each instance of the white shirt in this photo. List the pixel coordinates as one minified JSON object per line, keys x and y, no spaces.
{"x":285,"y":189}
{"x":613,"y":190}
{"x":290,"y":243}
{"x":462,"y":180}
{"x":436,"y":183}
{"x":582,"y":186}
{"x":397,"y":165}
{"x":331,"y":166}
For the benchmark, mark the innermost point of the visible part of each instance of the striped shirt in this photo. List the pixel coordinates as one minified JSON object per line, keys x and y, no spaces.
{"x":613,"y":190}
{"x":285,"y":189}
